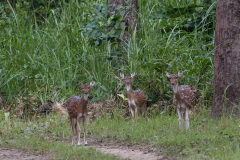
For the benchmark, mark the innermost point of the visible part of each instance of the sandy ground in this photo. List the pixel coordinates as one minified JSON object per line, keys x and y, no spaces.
{"x":20,"y":154}
{"x":132,"y":152}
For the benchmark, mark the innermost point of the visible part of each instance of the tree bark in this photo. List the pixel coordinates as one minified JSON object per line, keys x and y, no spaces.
{"x":131,"y":16}
{"x":226,"y":82}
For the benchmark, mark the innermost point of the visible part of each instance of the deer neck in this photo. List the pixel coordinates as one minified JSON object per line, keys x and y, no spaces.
{"x":84,"y":98}
{"x":175,"y":88}
{"x":129,"y":91}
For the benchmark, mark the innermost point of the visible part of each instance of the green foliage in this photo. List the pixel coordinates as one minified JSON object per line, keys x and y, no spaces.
{"x":51,"y":53}
{"x":103,"y":25}
{"x":192,"y":17}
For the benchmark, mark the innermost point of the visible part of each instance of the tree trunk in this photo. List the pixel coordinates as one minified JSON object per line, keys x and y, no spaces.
{"x":226,"y":82}
{"x":131,"y":15}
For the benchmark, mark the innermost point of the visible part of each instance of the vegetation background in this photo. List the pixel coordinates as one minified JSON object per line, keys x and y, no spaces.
{"x":46,"y":47}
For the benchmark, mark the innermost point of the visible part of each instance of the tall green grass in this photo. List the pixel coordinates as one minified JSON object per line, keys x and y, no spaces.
{"x":47,"y":57}
{"x":42,"y":56}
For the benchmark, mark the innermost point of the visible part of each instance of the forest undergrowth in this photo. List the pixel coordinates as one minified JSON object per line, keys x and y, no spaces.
{"x":45,"y":49}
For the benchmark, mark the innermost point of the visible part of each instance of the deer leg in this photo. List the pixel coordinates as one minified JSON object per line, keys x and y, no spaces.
{"x":186,"y":119}
{"x":73,"y":127}
{"x":78,"y":131}
{"x":136,"y":111}
{"x":180,"y":119}
{"x":129,"y":104}
{"x":144,"y":110}
{"x":132,"y":112}
{"x":84,"y":130}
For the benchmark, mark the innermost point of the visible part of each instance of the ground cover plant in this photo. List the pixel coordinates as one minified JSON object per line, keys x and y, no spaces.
{"x":44,"y":137}
{"x":206,"y":139}
{"x":47,"y":47}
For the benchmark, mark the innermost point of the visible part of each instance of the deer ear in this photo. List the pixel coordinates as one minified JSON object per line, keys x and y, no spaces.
{"x":168,"y":74}
{"x":80,"y":83}
{"x":133,"y":75}
{"x":122,"y":75}
{"x":92,"y":83}
{"x":180,"y":73}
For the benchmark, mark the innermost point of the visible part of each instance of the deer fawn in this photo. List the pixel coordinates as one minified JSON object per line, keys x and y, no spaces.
{"x":183,"y":98}
{"x":77,"y":110}
{"x":135,"y":98}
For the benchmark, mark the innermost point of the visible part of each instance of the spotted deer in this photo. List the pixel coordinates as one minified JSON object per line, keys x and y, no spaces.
{"x":136,"y":99}
{"x":77,"y":110}
{"x":183,"y":98}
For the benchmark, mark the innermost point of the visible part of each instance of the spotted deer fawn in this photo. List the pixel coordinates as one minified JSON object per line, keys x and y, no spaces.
{"x":183,"y":98}
{"x":136,"y":99}
{"x":77,"y":110}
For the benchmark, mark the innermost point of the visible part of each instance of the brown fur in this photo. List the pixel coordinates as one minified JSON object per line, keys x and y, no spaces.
{"x":76,"y":106}
{"x":189,"y":98}
{"x":137,"y":96}
{"x":183,"y":98}
{"x":77,"y":110}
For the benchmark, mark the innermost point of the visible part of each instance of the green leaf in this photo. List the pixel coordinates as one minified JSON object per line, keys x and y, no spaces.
{"x":96,"y":42}
{"x":117,"y":24}
{"x":100,"y":23}
{"x":110,"y":19}
{"x":93,"y":34}
{"x":122,"y":96}
{"x":103,"y":87}
{"x":89,"y":25}
{"x":104,"y":36}
{"x":112,"y":31}
{"x":6,"y":116}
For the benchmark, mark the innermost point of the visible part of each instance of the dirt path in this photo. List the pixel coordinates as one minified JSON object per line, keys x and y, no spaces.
{"x":132,"y":152}
{"x":106,"y":146}
{"x":20,"y":154}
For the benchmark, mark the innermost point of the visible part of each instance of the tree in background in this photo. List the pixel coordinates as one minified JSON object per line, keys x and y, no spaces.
{"x":226,"y":82}
{"x":131,"y":17}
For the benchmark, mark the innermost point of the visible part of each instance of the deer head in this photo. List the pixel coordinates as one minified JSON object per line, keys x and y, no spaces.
{"x":85,"y":88}
{"x":127,"y":79}
{"x":174,"y":77}
{"x":174,"y":80}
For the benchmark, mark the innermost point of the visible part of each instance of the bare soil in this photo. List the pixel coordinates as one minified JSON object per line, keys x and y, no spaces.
{"x":135,"y":151}
{"x":130,"y":153}
{"x":21,"y":154}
